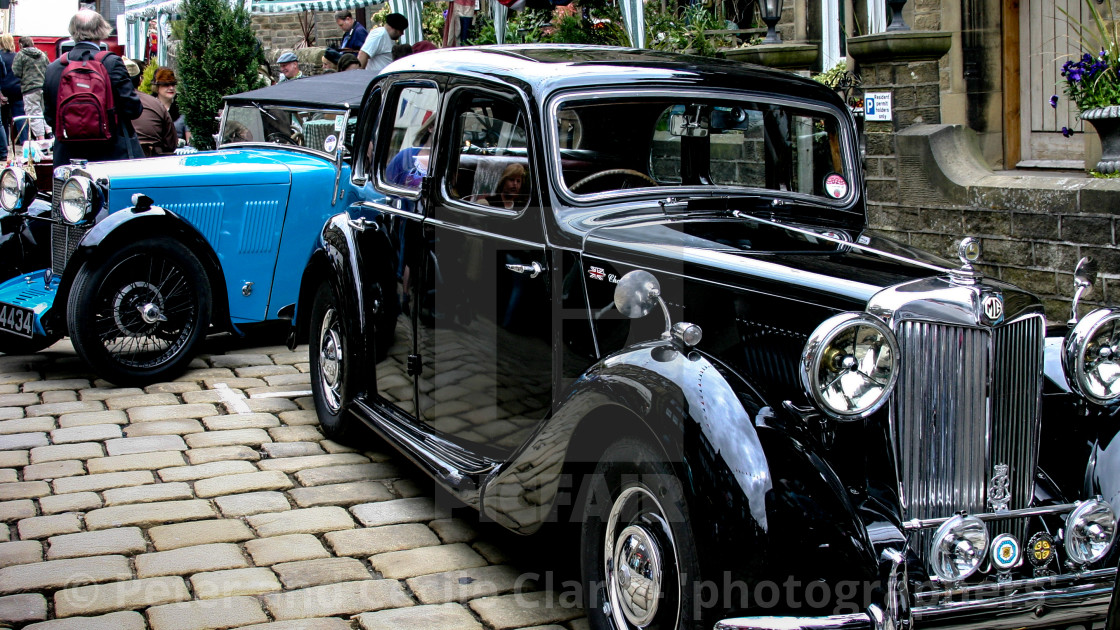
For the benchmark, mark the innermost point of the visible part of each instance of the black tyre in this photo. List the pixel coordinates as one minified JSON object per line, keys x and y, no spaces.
{"x":11,"y":344}
{"x":332,"y":367}
{"x":137,"y":316}
{"x":638,"y":555}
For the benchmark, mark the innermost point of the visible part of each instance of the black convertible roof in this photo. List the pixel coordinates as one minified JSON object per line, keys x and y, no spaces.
{"x":326,"y":91}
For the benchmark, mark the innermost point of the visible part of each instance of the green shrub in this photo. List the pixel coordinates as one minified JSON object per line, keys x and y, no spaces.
{"x":219,"y":55}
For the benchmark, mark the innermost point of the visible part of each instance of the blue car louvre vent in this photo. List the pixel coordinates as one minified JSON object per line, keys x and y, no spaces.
{"x":258,"y":226}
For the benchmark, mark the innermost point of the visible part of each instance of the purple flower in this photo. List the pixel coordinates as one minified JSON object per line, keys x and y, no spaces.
{"x":1054,"y":101}
{"x":1075,"y":75}
{"x":1067,"y":132}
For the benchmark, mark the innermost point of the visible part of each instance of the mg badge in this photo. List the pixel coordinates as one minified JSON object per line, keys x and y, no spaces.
{"x":1005,"y":552}
{"x":1040,"y":551}
{"x":993,"y":307}
{"x":999,"y":489}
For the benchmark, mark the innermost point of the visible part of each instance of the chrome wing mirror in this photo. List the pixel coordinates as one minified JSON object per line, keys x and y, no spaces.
{"x":1084,"y":275}
{"x":638,"y":292}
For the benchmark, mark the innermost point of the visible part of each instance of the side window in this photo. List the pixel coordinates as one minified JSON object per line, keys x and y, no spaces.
{"x":409,"y":145}
{"x":491,"y":166}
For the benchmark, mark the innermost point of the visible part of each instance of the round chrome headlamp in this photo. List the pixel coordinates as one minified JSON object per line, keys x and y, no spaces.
{"x":1090,"y":531}
{"x":16,"y":190}
{"x":958,"y":548}
{"x":1091,"y":356}
{"x":79,"y":200}
{"x":849,"y":365}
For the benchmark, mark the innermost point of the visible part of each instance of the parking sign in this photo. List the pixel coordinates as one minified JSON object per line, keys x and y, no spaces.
{"x":877,"y":106}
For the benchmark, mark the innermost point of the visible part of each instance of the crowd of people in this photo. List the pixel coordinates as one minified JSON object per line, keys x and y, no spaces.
{"x":121,"y":122}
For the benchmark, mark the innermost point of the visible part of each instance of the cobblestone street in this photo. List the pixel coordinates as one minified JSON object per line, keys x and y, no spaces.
{"x":214,"y":501}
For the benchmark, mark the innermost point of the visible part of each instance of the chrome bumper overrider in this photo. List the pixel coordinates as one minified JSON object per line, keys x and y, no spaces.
{"x":1040,"y":602}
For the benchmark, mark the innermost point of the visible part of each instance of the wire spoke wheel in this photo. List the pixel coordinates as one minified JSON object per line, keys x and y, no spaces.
{"x":137,"y":316}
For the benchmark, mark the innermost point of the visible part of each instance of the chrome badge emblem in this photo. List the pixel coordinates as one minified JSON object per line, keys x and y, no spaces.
{"x":999,"y":489}
{"x":993,"y":307}
{"x":1005,"y":552}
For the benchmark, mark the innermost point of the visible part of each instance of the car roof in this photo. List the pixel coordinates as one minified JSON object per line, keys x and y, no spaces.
{"x":547,"y":68}
{"x":325,"y":91}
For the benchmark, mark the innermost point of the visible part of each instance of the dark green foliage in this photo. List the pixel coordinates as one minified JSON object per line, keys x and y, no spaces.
{"x":219,"y":55}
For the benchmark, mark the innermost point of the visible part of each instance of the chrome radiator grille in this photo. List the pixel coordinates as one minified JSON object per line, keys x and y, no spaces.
{"x":64,"y":237}
{"x":952,"y":430}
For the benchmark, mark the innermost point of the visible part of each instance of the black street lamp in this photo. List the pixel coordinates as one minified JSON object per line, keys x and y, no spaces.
{"x":897,"y":23}
{"x":771,"y":13}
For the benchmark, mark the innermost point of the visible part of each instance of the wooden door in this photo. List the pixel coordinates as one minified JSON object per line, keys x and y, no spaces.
{"x":1048,"y":40}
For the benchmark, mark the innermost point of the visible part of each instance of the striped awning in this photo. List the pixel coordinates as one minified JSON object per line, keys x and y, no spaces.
{"x":149,"y":8}
{"x":296,"y":6}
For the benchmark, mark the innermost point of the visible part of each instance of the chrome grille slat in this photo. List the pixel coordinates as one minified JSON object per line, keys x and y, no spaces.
{"x":968,"y":398}
{"x":64,"y":237}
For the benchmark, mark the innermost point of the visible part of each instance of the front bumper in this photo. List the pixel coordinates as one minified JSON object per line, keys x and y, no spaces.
{"x":32,"y":291}
{"x":1033,"y":603}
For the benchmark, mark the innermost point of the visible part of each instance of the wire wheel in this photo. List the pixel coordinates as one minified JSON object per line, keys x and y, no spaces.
{"x":137,"y":316}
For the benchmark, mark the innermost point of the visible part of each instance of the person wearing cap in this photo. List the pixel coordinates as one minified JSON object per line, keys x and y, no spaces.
{"x":154,"y":127}
{"x":353,"y":33}
{"x":289,"y":67}
{"x":378,"y":49}
{"x":330,"y":59}
{"x":30,"y":65}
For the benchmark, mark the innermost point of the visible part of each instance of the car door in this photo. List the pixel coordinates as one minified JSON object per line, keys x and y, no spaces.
{"x":401,"y":151}
{"x":485,"y":322}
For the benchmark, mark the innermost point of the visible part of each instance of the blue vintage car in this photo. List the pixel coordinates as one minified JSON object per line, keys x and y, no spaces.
{"x":148,"y":256}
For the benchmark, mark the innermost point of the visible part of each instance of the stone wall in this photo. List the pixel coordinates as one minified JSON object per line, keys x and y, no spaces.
{"x":929,"y":185}
{"x":1033,"y":229}
{"x":282,"y":31}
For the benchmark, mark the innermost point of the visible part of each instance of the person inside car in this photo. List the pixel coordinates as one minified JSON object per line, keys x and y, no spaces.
{"x":508,"y":193}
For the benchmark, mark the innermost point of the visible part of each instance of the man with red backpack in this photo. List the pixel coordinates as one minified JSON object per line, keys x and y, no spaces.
{"x":89,"y":100}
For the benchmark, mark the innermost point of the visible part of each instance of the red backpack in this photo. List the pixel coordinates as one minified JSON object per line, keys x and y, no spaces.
{"x":85,"y":101}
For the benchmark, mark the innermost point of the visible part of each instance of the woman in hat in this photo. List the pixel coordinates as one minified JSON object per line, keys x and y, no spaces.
{"x":163,"y":87}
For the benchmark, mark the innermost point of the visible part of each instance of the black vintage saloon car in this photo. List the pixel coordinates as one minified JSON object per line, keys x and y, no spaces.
{"x":635,"y":294}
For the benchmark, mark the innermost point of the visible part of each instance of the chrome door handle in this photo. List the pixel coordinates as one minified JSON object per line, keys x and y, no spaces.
{"x":535,"y":268}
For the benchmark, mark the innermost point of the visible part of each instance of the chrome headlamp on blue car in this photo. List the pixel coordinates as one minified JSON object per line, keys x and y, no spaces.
{"x":81,"y":200}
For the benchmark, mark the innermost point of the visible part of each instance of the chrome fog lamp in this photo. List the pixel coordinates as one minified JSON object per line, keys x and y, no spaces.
{"x":1090,"y":356}
{"x":17,"y":190}
{"x":849,"y":365}
{"x":1090,"y":531}
{"x":958,"y":548}
{"x":79,"y":200}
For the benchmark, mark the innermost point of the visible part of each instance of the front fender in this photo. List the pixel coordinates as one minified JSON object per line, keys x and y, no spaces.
{"x":117,"y":229}
{"x":353,"y":256}
{"x":762,"y":504}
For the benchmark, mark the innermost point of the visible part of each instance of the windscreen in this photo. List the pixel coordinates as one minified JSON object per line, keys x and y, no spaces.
{"x":313,"y":129}
{"x":613,"y":144}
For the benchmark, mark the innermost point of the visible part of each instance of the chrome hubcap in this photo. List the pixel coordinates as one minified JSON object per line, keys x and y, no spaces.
{"x":151,"y":314}
{"x":138,"y":297}
{"x":633,"y":557}
{"x":330,"y":361}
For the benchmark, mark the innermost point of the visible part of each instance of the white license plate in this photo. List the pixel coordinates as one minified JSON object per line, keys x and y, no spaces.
{"x":17,"y":320}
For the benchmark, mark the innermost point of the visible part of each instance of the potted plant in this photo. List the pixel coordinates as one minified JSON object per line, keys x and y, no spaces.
{"x":1092,"y":82}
